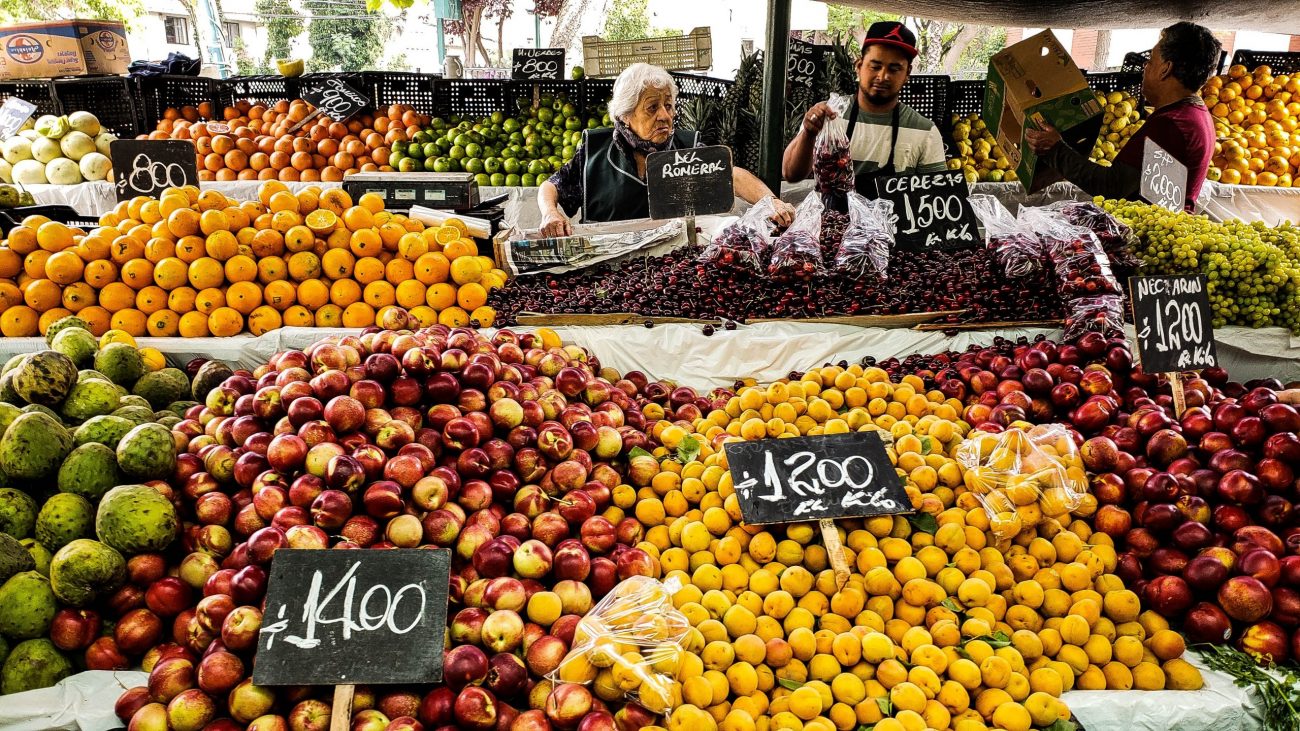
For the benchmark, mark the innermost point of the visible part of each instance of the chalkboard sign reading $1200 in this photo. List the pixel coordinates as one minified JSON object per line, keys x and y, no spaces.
{"x":1172,"y":318}
{"x":349,"y":617}
{"x":810,"y":478}
{"x":148,"y":167}
{"x":692,"y":182}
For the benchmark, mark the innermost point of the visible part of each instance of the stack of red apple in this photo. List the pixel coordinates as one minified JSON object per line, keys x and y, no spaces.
{"x":435,"y":439}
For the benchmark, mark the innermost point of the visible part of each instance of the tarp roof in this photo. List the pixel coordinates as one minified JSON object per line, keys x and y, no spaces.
{"x":1273,"y":16}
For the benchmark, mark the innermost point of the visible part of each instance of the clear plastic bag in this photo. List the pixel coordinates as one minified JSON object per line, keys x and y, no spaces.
{"x":1116,"y":238}
{"x":747,"y":242}
{"x":1023,"y":477}
{"x":798,"y":251}
{"x":832,"y":161}
{"x":1018,"y":251}
{"x":1103,"y":314}
{"x":1082,"y":267}
{"x":638,"y":636}
{"x":868,"y":238}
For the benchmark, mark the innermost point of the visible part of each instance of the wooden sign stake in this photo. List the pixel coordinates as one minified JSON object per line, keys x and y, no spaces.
{"x":691,"y":236}
{"x":314,"y":114}
{"x":1176,"y":386}
{"x":341,"y":710}
{"x":839,"y":564}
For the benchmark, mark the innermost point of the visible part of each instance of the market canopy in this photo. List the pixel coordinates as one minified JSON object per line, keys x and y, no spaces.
{"x":1264,"y":15}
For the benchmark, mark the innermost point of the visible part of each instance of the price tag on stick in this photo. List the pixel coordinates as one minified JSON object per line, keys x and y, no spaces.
{"x":1164,"y":179}
{"x":13,"y":114}
{"x":334,"y":99}
{"x":538,"y":64}
{"x":1171,"y":315}
{"x":148,"y":167}
{"x":932,"y":211}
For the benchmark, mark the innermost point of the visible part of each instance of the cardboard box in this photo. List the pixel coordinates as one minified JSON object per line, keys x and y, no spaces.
{"x":63,"y":48}
{"x":1036,"y":79}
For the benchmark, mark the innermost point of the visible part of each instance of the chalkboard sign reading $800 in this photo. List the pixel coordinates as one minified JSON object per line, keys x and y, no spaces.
{"x":148,"y":167}
{"x":810,"y":478}
{"x":537,"y":64}
{"x":1172,"y":318}
{"x":932,"y":210}
{"x":349,"y":617}
{"x":692,"y":182}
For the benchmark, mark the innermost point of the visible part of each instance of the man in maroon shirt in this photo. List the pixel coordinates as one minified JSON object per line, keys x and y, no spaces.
{"x":1181,"y":62}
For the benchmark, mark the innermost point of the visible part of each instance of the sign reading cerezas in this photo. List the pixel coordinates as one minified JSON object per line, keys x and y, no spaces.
{"x":335,"y":99}
{"x":1164,"y":179}
{"x":148,"y":167}
{"x":537,"y":64}
{"x":349,"y":617}
{"x":933,"y":210}
{"x":811,"y":478}
{"x":692,"y":182}
{"x":1172,"y":318}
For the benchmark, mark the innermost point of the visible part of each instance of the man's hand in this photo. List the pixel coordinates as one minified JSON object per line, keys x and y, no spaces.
{"x":783,"y":213}
{"x":816,"y":117}
{"x":1043,"y":139}
{"x":555,"y":225}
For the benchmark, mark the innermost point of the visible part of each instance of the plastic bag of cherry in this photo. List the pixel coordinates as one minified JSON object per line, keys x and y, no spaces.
{"x":797,"y":253}
{"x":832,"y":161}
{"x":1081,"y":265}
{"x":1017,"y":250}
{"x":1116,"y":238}
{"x":746,"y":243}
{"x":1103,"y":314}
{"x":867,"y":239}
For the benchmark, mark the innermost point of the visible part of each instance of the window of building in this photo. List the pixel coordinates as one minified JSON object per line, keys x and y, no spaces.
{"x":232,"y":33}
{"x":178,"y":30}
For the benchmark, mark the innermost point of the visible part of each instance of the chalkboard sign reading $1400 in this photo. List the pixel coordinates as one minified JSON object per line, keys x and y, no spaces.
{"x":1172,"y":318}
{"x":348,"y":617}
{"x":810,"y":478}
{"x":932,"y":209}
{"x":148,"y":167}
{"x":692,"y":182}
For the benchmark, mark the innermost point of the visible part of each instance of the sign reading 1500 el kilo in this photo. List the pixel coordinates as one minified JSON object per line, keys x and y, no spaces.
{"x":348,"y":617}
{"x":932,"y":210}
{"x":148,"y":167}
{"x":692,"y":182}
{"x":1172,"y":318}
{"x":810,"y":478}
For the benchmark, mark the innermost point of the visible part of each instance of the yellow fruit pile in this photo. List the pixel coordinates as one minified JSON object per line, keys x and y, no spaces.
{"x":1256,"y":115}
{"x":940,"y":626}
{"x":1122,"y":117}
{"x":978,"y":153}
{"x":196,"y":264}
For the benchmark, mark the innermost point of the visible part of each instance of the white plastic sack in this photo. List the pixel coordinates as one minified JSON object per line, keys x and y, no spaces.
{"x":81,"y":702}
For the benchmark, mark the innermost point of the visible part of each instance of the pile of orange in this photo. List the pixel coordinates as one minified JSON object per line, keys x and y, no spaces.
{"x":254,"y":141}
{"x":1256,"y":115}
{"x":195,"y":264}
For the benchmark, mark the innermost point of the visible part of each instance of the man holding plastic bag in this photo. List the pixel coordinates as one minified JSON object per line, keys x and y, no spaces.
{"x":877,"y":136}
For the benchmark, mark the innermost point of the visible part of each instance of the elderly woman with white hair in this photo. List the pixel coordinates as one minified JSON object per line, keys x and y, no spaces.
{"x":606,"y":178}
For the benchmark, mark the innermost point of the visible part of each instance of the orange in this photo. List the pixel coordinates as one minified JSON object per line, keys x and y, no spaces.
{"x":34,"y":263}
{"x":313,"y":294}
{"x":191,"y":249}
{"x":207,"y":301}
{"x":410,"y":293}
{"x":445,"y":235}
{"x":344,"y":292}
{"x":212,"y":221}
{"x":457,"y":224}
{"x":54,"y":236}
{"x":159,"y":248}
{"x":183,"y":222}
{"x":221,"y":245}
{"x":283,"y":201}
{"x":50,"y":317}
{"x":471,"y":296}
{"x":337,"y":263}
{"x":483,"y":316}
{"x":357,"y":218}
{"x":78,"y":296}
{"x":170,"y":273}
{"x":441,"y":296}
{"x":64,"y":267}
{"x":205,"y":273}
{"x":225,"y":322}
{"x":211,"y":199}
{"x":264,"y":319}
{"x":412,"y":246}
{"x":193,"y":325}
{"x":116,"y":296}
{"x":298,"y":316}
{"x":371,"y":202}
{"x":244,"y":297}
{"x":19,"y":322}
{"x":329,"y":316}
{"x":22,"y":240}
{"x":10,"y":263}
{"x":453,"y":317}
{"x":368,"y":269}
{"x":379,"y":294}
{"x":336,"y":201}
{"x":280,"y":295}
{"x":42,"y":295}
{"x":268,"y":189}
{"x":460,"y":248}
{"x":138,"y":273}
{"x":97,"y":317}
{"x":322,"y":221}
{"x":466,"y":270}
{"x":150,"y":213}
{"x":181,"y":299}
{"x":163,"y":324}
{"x":285,"y":220}
{"x":358,"y":314}
{"x":425,"y":315}
{"x":151,"y":299}
{"x":299,"y":238}
{"x":366,"y":242}
{"x":131,"y":321}
{"x":171,"y":202}
{"x":308,"y":200}
{"x":339,"y":238}
{"x":391,"y":233}
{"x":10,"y":295}
{"x":303,"y":266}
{"x":241,"y":269}
{"x":432,"y":268}
{"x":267,"y":242}
{"x":398,"y":270}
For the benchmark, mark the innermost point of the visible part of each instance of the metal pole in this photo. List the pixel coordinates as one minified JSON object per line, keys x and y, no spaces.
{"x":774,"y":63}
{"x":537,"y":30}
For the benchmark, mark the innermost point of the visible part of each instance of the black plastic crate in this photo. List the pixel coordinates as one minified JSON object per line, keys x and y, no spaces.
{"x":1282,"y":62}
{"x":400,"y":87}
{"x":158,"y":93}
{"x":258,"y":89}
{"x":534,"y":90}
{"x":928,"y":95}
{"x":690,"y":85}
{"x":37,"y":91}
{"x":112,"y":99}
{"x":596,"y":94}
{"x":966,"y":96}
{"x":1109,"y":81}
{"x":472,"y":98}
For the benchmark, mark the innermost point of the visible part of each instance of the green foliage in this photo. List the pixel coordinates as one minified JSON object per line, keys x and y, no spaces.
{"x":629,"y":19}
{"x":977,"y":54}
{"x":352,"y":40}
{"x":847,"y":21}
{"x":283,"y":24}
{"x":15,"y":11}
{"x":246,"y":65}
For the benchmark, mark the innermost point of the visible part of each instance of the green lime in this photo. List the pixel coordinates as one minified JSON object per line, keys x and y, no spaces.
{"x":456,"y":152}
{"x":492,"y":165}
{"x":431,"y":149}
{"x":498,"y":117}
{"x":497,"y":179}
{"x":510,"y":165}
{"x":415,"y":151}
{"x":512,"y":181}
{"x":473,"y":149}
{"x":473,"y":165}
{"x":528,"y":180}
{"x":441,"y":165}
{"x":430,"y":164}
{"x":408,"y":165}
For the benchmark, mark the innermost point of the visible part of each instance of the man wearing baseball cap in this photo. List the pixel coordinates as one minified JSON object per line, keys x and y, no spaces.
{"x":886,"y":137}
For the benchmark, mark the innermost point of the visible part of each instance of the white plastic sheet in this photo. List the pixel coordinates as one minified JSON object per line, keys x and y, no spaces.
{"x":81,"y":702}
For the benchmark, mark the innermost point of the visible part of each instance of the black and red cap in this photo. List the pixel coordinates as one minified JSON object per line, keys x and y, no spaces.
{"x":891,"y":33}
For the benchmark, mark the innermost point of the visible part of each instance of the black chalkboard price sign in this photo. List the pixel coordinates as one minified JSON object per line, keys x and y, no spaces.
{"x":538,"y":64}
{"x":349,"y":617}
{"x":810,"y":478}
{"x":691,"y":182}
{"x":932,"y":210}
{"x":801,"y":64}
{"x":1172,"y":318}
{"x":148,"y":167}
{"x":335,"y":99}
{"x":1164,"y":179}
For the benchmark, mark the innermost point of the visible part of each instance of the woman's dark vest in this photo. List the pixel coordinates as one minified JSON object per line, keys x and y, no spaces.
{"x":611,"y":188}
